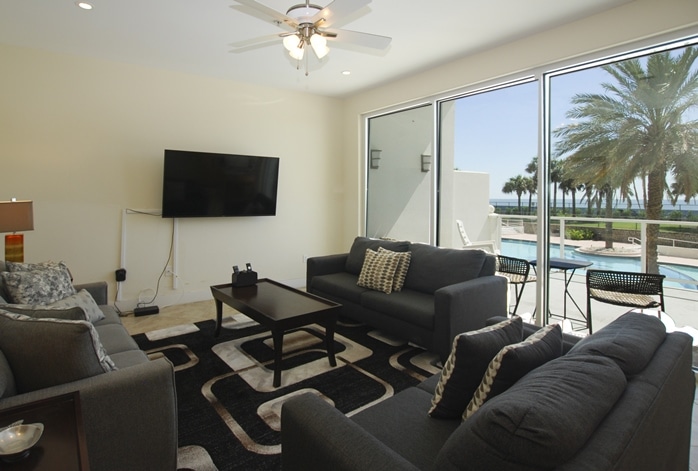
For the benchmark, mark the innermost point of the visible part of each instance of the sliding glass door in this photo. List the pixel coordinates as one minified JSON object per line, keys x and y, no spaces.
{"x":400,"y":164}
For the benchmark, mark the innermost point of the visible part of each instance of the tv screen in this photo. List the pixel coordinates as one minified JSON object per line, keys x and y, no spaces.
{"x":202,"y":184}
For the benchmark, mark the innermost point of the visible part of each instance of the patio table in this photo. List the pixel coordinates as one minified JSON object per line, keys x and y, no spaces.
{"x":568,"y":267}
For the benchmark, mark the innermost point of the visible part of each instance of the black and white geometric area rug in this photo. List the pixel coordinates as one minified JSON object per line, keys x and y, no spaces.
{"x":229,"y":412}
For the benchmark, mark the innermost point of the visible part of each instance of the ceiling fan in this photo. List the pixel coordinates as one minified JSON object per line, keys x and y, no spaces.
{"x":308,"y":26}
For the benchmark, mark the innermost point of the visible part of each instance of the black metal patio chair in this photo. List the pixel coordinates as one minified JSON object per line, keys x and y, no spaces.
{"x":625,"y":289}
{"x":518,"y":271}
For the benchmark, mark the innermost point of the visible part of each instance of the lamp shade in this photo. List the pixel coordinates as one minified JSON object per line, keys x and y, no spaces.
{"x":319,"y":44}
{"x":292,"y":42}
{"x":297,"y":53}
{"x":16,"y":216}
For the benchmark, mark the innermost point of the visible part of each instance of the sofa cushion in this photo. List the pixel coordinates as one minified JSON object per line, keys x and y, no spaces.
{"x":403,"y":264}
{"x":341,"y":285}
{"x":38,"y":286}
{"x":48,"y":352}
{"x":432,"y":267}
{"x":378,"y":271}
{"x":514,"y":361}
{"x":115,"y":338}
{"x":402,"y":425}
{"x":630,"y":341}
{"x":357,"y":253}
{"x":541,"y":421}
{"x":466,"y":365}
{"x":7,"y":378}
{"x":111,"y":316}
{"x":409,"y":306}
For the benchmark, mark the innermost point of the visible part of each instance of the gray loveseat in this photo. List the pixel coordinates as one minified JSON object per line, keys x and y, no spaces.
{"x":446,"y":291}
{"x":130,"y":414}
{"x":634,"y":421}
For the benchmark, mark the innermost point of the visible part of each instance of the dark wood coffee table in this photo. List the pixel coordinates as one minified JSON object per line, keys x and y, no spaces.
{"x":280,"y":308}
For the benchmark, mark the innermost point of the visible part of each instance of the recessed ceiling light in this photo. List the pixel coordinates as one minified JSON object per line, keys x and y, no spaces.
{"x":84,"y":5}
{"x":346,"y":72}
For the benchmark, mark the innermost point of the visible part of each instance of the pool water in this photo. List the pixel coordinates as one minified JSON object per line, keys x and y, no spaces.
{"x":674,"y":273}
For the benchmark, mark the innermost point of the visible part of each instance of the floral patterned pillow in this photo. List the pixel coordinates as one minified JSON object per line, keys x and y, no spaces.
{"x":43,"y":286}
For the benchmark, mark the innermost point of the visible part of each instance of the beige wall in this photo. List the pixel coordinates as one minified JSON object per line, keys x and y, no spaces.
{"x":84,"y":139}
{"x":627,"y":24}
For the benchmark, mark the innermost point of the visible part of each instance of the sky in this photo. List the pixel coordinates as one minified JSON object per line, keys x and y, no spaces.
{"x":497,"y":132}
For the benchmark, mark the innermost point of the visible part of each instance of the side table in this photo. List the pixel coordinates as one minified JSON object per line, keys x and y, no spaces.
{"x":62,"y":446}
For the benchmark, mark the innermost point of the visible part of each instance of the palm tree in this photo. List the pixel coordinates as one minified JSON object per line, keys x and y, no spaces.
{"x":638,"y":125}
{"x":516,"y":185}
{"x":555,"y":179}
{"x":531,"y":188}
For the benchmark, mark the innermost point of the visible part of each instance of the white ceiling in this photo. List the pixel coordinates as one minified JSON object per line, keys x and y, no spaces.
{"x":193,"y":36}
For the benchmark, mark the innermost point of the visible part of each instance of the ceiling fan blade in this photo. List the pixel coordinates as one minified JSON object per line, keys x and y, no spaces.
{"x":241,"y":46}
{"x":335,"y":11}
{"x":267,"y":13}
{"x":373,"y":41}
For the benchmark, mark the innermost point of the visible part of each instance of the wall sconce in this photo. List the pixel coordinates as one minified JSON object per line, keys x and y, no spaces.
{"x":375,"y":158}
{"x":426,"y":162}
{"x":15,"y":216}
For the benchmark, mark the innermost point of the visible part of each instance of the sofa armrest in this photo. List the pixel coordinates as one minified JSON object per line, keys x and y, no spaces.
{"x":316,"y":436}
{"x":466,"y":306}
{"x":324,"y":265}
{"x":98,"y":290}
{"x":129,"y":415}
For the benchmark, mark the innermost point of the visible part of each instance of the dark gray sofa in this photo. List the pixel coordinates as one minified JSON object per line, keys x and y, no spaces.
{"x":446,"y":291}
{"x":644,"y":425}
{"x":129,"y":415}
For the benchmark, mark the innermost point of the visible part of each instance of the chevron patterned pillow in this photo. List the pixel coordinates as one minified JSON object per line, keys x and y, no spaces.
{"x":514,"y":361}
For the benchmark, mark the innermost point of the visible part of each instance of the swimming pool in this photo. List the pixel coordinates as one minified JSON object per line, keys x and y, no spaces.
{"x":527,"y":250}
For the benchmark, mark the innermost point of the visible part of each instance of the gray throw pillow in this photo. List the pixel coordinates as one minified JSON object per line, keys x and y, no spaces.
{"x":7,"y":379}
{"x":514,"y":361}
{"x":541,"y":422}
{"x":467,"y":364}
{"x":630,"y":341}
{"x":38,"y":311}
{"x":38,"y":286}
{"x":47,"y":352}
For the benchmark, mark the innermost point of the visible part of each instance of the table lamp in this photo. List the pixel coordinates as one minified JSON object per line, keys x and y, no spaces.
{"x":15,"y":216}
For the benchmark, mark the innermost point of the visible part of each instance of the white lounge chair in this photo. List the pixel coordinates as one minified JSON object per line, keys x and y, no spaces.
{"x":486,"y":245}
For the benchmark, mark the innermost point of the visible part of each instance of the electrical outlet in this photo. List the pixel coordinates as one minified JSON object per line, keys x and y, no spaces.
{"x":305,"y":258}
{"x":120,"y":274}
{"x":169,"y":272}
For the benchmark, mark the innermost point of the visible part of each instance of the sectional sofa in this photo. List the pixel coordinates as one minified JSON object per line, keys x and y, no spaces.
{"x":444,"y":291}
{"x":620,"y":399}
{"x":129,"y":412}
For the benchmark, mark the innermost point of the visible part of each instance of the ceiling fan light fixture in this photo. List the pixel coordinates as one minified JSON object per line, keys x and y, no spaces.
{"x":297,"y":53}
{"x":292,"y":41}
{"x":319,"y":45}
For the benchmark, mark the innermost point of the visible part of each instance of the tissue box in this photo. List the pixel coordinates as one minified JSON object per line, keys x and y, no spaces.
{"x":244,"y":278}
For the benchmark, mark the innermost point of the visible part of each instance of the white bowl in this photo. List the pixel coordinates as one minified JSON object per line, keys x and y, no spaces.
{"x":16,"y":441}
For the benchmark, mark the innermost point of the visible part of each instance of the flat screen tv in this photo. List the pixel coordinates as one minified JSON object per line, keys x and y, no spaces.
{"x":202,"y":184}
